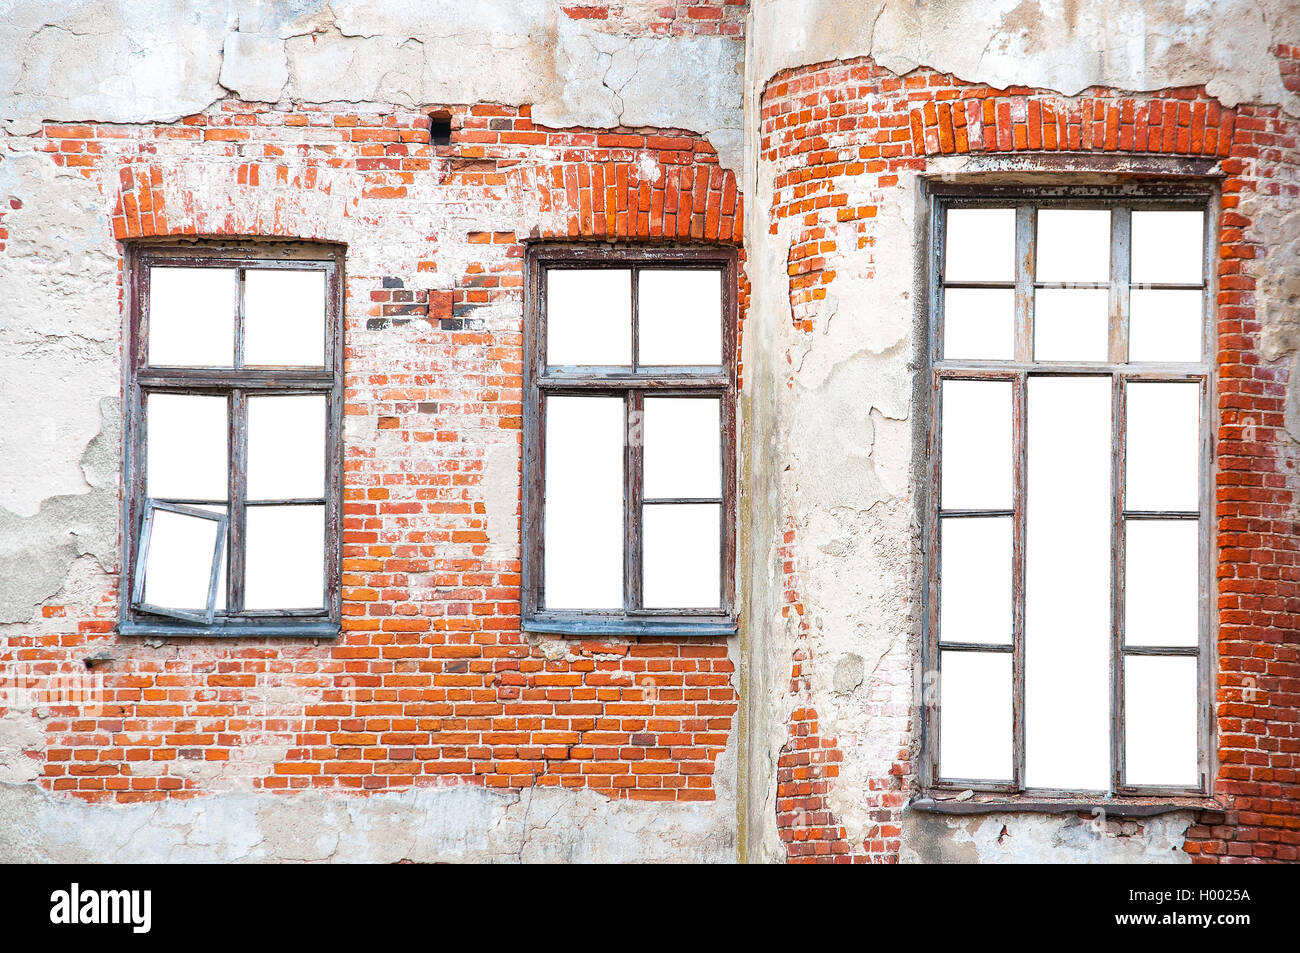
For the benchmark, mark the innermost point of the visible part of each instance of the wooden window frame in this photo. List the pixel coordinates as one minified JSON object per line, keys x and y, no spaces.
{"x":237,"y":384}
{"x":632,"y":383}
{"x":1122,"y":199}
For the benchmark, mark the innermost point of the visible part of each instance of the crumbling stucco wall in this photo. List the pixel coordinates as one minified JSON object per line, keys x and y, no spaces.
{"x":833,"y":410}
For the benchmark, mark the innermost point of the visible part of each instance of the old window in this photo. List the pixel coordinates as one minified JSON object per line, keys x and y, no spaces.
{"x":234,"y":394}
{"x":629,"y":459}
{"x":1068,"y":531}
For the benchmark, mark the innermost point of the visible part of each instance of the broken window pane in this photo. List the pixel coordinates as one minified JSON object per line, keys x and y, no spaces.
{"x":191,"y":317}
{"x":1164,"y":325}
{"x":588,"y":316}
{"x":680,"y":316}
{"x":1067,"y":583}
{"x":682,"y":557}
{"x":979,"y":324}
{"x":1161,"y":582}
{"x":284,"y":317}
{"x":284,"y":560}
{"x":286,"y":447}
{"x":1162,"y":455}
{"x":975,"y":716}
{"x":683,"y":447}
{"x":583,"y":509}
{"x":1168,"y":247}
{"x":981,"y":245}
{"x":179,"y":553}
{"x":186,"y":455}
{"x":975,"y":580}
{"x":1160,"y":721}
{"x":1071,"y":324}
{"x":976,"y":457}
{"x":1073,"y":245}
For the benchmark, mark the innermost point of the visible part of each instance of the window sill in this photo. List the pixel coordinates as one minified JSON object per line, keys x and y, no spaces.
{"x":595,"y":626}
{"x":287,"y":629}
{"x":1114,"y":807}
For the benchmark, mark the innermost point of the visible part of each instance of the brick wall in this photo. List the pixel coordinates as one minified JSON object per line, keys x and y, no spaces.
{"x":432,"y":681}
{"x":666,"y":17}
{"x":837,"y":136}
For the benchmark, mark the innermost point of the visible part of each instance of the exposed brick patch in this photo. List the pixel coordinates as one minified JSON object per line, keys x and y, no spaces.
{"x":666,"y":18}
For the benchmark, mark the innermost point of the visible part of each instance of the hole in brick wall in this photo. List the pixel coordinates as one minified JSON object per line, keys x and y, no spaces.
{"x":440,"y":128}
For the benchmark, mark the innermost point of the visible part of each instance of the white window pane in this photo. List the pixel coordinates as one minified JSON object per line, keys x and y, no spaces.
{"x":1160,"y":721}
{"x":588,"y":316}
{"x":185,"y":447}
{"x":980,"y":245}
{"x":284,"y":559}
{"x":1162,"y":466}
{"x":1073,"y":245}
{"x":975,"y":580}
{"x":583,"y":516}
{"x":976,"y":445}
{"x":682,"y":447}
{"x":1071,"y":324}
{"x":682,"y":556}
{"x":220,"y":605}
{"x":975,"y":716}
{"x":286,"y":447}
{"x":979,"y":324}
{"x":178,"y":566}
{"x":1168,"y":247}
{"x":680,"y":316}
{"x":284,"y":317}
{"x":1067,"y":583}
{"x":191,"y":317}
{"x":1161,"y":582}
{"x":1164,"y":325}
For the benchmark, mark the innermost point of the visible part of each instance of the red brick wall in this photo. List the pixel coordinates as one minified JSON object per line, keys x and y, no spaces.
{"x":432,"y":681}
{"x":842,"y":130}
{"x":665,"y":18}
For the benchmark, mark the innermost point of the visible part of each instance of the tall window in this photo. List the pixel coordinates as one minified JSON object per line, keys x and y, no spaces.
{"x":233,"y":460}
{"x":630,"y":459}
{"x":1068,"y":534}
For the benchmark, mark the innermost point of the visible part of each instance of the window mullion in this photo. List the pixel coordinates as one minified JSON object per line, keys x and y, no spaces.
{"x":1120,"y":229}
{"x":1026,"y":255}
{"x":632,"y":494}
{"x":1019,"y":479}
{"x":238,"y":495}
{"x":1119,"y":434}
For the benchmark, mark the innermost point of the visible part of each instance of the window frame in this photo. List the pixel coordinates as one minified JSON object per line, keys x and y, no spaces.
{"x":633,"y":383}
{"x":1182,"y":194}
{"x":237,"y":384}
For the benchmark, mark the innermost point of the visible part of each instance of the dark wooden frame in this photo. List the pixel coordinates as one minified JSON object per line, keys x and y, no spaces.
{"x":631,"y":383}
{"x":1189,"y":194}
{"x":237,"y":384}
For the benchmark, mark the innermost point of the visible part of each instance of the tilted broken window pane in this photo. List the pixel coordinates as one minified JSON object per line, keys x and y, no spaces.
{"x":284,"y":317}
{"x":683,"y":447}
{"x":186,"y":456}
{"x":981,"y":244}
{"x":284,"y":561}
{"x":680,"y":316}
{"x":975,"y":580}
{"x":979,"y":324}
{"x":286,"y":447}
{"x":1067,"y":583}
{"x":179,"y":550}
{"x":1071,"y":324}
{"x":583,"y":511}
{"x":1161,"y":582}
{"x":976,"y":437}
{"x":1162,"y":456}
{"x":588,"y":316}
{"x":1073,"y":245}
{"x":191,"y":317}
{"x":1168,"y":247}
{"x":1160,"y":721}
{"x":975,"y":716}
{"x":1165,"y":325}
{"x":682,"y":556}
